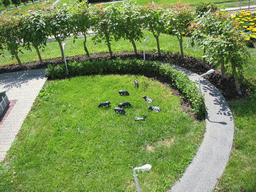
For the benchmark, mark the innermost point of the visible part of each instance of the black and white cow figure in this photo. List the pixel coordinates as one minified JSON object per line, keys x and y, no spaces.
{"x":104,"y":104}
{"x":156,"y":109}
{"x":123,"y":92}
{"x":119,"y":110}
{"x":136,"y":84}
{"x":124,"y":104}
{"x":140,"y":118}
{"x":147,"y":99}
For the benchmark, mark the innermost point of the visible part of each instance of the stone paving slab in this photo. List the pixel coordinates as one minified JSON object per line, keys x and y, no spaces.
{"x":22,"y":86}
{"x":4,"y":148}
{"x":2,"y":155}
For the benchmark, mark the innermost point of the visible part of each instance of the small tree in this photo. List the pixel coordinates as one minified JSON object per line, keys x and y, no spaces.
{"x":224,"y":44}
{"x":58,"y":25}
{"x":10,"y":38}
{"x":103,"y":25}
{"x":82,"y":21}
{"x":180,"y":18}
{"x":34,"y":32}
{"x":209,"y":25}
{"x":154,"y":18}
{"x":129,"y":23}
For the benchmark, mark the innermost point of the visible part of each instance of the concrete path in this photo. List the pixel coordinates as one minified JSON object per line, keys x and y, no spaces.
{"x":203,"y":172}
{"x":213,"y":154}
{"x":22,"y":86}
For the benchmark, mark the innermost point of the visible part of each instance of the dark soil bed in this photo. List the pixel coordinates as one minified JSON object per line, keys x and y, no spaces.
{"x":225,"y":84}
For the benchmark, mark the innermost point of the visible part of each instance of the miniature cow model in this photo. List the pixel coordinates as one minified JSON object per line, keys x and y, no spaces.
{"x":147,"y":99}
{"x":140,"y":118}
{"x":124,"y":104}
{"x":156,"y":109}
{"x":104,"y":104}
{"x":122,"y":92}
{"x":119,"y":110}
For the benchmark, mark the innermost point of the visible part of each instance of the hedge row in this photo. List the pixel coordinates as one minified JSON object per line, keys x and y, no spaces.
{"x":134,"y":66}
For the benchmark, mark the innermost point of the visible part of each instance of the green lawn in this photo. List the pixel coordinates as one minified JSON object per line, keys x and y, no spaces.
{"x":240,"y":172}
{"x":67,"y":143}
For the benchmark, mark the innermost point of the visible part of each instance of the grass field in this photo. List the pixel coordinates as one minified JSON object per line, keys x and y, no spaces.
{"x":67,"y":143}
{"x":240,"y":173}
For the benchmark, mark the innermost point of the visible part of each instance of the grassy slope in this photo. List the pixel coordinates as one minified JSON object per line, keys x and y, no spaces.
{"x":66,"y":143}
{"x":240,"y":173}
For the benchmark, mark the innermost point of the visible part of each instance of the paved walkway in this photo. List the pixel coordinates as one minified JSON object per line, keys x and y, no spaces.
{"x":213,"y":154}
{"x":22,"y":86}
{"x":201,"y":175}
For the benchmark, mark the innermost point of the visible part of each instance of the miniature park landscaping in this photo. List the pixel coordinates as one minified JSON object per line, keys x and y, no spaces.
{"x":69,"y":143}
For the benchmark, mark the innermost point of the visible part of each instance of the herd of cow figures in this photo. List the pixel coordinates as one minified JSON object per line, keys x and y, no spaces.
{"x":121,"y":106}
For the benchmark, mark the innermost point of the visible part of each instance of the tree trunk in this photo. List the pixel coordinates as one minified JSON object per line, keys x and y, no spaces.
{"x":38,"y":53}
{"x":85,"y":48}
{"x":204,"y":55}
{"x":61,"y":48}
{"x":134,"y":46}
{"x":17,"y":57}
{"x":158,"y":46}
{"x":108,"y":43}
{"x":157,"y":40}
{"x":181,"y":48}
{"x":222,"y":66}
{"x":235,"y":77}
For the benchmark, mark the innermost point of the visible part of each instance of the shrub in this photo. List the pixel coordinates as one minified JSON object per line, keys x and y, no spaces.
{"x":16,"y":2}
{"x":6,"y":3}
{"x":205,"y":7}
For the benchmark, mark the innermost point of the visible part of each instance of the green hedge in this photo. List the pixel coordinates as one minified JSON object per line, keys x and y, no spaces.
{"x":134,"y":66}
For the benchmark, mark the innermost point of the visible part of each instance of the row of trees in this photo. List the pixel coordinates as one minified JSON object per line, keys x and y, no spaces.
{"x":215,"y":32}
{"x":110,"y":23}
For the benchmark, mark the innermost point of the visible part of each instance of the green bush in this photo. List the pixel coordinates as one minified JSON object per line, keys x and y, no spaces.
{"x":205,"y":7}
{"x":134,"y":66}
{"x":6,"y":3}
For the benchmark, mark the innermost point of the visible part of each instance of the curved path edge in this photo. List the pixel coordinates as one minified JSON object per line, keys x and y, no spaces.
{"x":212,"y":156}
